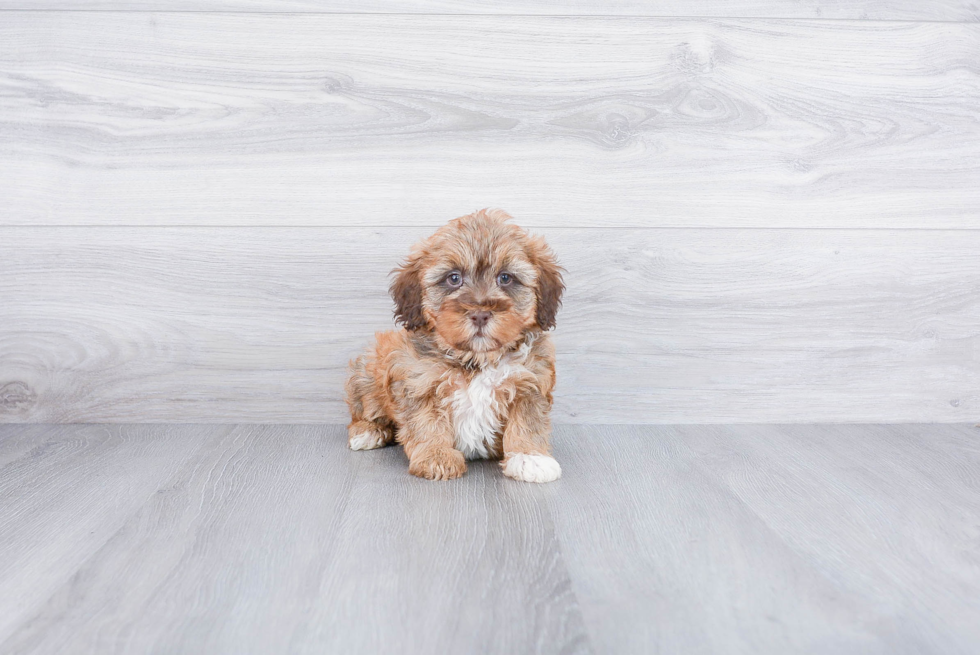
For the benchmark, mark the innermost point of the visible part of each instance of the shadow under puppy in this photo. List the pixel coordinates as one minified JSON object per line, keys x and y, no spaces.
{"x":471,"y":373}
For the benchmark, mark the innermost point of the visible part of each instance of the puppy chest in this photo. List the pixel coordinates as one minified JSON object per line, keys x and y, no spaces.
{"x":478,"y":412}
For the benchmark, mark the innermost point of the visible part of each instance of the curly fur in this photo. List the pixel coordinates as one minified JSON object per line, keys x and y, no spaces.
{"x":470,"y":373}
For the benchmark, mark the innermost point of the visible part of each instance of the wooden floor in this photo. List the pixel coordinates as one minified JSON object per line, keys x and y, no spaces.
{"x":697,"y":539}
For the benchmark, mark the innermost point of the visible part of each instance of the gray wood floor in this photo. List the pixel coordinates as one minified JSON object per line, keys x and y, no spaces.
{"x":696,"y":539}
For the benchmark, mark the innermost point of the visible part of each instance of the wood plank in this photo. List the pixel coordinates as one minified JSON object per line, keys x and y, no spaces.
{"x":934,"y":10}
{"x":360,"y":120}
{"x":676,"y":539}
{"x":70,"y":493}
{"x":444,"y":568}
{"x":217,"y":558}
{"x":279,"y":539}
{"x":772,"y":539}
{"x":658,"y":326}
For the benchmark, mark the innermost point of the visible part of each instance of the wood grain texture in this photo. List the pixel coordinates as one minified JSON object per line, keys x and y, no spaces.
{"x":934,"y":10}
{"x":66,"y":491}
{"x":443,"y":568}
{"x":692,"y":539}
{"x":278,"y":539}
{"x":658,"y":326}
{"x":773,"y":539}
{"x":126,"y":118}
{"x":225,"y":557}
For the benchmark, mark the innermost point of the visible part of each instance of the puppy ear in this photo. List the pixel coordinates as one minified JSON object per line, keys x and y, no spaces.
{"x":550,"y":285}
{"x":406,"y":290}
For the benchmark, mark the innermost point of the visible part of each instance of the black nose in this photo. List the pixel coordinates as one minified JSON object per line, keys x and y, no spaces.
{"x":480,"y":319}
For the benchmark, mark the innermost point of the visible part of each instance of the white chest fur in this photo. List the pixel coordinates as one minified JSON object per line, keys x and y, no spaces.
{"x":477,"y":416}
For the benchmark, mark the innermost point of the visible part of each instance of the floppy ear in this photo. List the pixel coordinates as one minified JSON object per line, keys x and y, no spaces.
{"x":550,"y":285}
{"x":406,"y":290}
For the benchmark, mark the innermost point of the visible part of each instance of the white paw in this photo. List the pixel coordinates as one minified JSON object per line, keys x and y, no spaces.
{"x":366,"y":440}
{"x":532,"y":468}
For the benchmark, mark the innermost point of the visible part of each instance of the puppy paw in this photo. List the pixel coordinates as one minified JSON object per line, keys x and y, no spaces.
{"x":367,"y":436}
{"x":440,"y":464}
{"x":531,"y":468}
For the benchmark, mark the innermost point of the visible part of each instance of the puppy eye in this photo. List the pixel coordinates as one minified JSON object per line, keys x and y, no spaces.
{"x":504,"y":279}
{"x":454,"y":279}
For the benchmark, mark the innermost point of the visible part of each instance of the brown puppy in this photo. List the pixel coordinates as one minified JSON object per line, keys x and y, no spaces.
{"x":470,"y":375}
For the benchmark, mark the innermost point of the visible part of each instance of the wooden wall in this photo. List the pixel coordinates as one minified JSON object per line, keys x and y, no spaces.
{"x":769,"y":211}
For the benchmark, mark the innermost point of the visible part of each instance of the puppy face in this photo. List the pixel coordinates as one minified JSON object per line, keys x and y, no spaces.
{"x":479,"y":283}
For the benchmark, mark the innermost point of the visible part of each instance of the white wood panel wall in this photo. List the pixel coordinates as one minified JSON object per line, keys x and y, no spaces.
{"x":220,"y":119}
{"x":934,"y":10}
{"x":257,"y":324}
{"x":762,"y":219}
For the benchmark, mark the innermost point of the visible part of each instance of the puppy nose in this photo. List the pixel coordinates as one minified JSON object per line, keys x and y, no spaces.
{"x":480,"y":319}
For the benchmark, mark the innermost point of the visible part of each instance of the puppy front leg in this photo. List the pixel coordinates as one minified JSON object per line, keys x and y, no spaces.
{"x":526,"y":450}
{"x":429,"y":442}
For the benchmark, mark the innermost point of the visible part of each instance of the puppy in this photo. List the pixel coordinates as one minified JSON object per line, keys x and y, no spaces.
{"x":471,"y":373}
